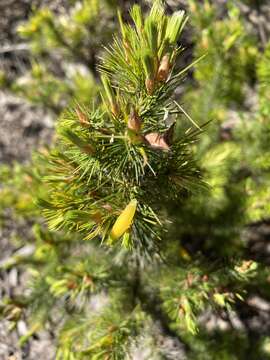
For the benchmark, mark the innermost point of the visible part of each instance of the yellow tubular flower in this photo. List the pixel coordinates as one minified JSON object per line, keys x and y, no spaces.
{"x":124,"y":220}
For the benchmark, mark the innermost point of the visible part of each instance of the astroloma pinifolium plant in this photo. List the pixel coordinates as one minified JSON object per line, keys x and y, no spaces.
{"x":119,"y":168}
{"x":119,"y":164}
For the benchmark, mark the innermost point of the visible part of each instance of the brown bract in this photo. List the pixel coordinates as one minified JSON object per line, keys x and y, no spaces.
{"x":157,"y":141}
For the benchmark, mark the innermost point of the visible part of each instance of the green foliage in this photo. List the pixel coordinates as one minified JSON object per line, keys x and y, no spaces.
{"x":64,"y":50}
{"x":195,"y":290}
{"x":125,"y":149}
{"x":233,"y":157}
{"x":231,"y":56}
{"x":132,"y":224}
{"x":19,"y":185}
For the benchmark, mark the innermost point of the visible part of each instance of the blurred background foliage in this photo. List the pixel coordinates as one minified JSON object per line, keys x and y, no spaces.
{"x":64,"y":50}
{"x":218,"y":229}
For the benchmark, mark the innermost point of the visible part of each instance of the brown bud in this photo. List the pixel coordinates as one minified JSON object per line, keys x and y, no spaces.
{"x":134,"y":121}
{"x":71,"y":285}
{"x":114,"y":109}
{"x":164,"y":68}
{"x":150,"y":85}
{"x":93,"y":194}
{"x":157,"y":141}
{"x":82,"y":118}
{"x":88,"y":149}
{"x":96,"y":217}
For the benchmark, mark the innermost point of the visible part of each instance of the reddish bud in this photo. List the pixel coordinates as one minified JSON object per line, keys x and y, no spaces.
{"x":82,"y":118}
{"x":164,"y":68}
{"x":150,"y":85}
{"x":134,"y":122}
{"x":71,"y":285}
{"x":88,"y":149}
